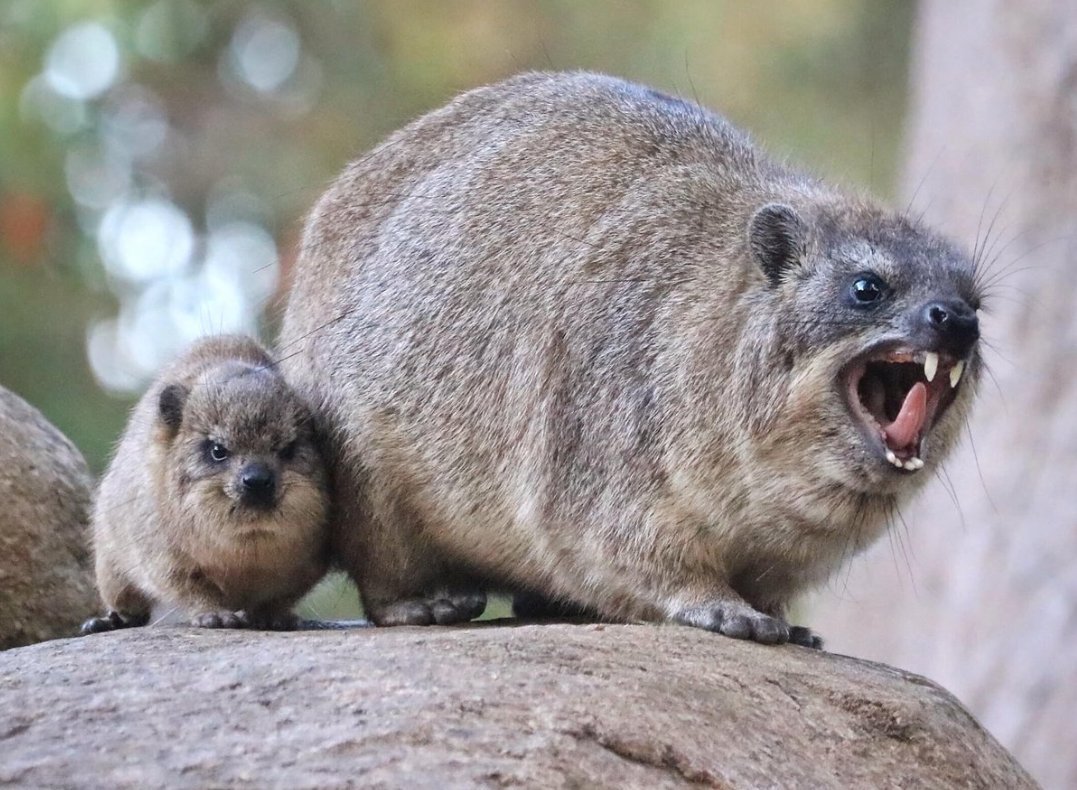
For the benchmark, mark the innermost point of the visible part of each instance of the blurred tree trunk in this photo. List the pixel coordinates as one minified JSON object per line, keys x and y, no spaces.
{"x":981,"y":595}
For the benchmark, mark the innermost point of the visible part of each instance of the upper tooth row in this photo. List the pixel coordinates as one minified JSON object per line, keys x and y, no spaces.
{"x":931,"y":367}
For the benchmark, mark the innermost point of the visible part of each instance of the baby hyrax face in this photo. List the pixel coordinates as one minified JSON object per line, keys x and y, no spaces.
{"x":241,"y":451}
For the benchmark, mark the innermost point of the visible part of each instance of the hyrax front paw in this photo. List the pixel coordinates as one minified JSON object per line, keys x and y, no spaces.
{"x":738,"y":620}
{"x":442,"y":609}
{"x":112,"y":621}
{"x":221,"y":619}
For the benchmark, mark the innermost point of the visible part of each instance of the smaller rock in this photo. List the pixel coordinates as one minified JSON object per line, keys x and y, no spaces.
{"x":46,"y":572}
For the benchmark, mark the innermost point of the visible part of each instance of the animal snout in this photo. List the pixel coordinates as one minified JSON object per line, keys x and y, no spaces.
{"x":954,"y":323}
{"x":258,"y":484}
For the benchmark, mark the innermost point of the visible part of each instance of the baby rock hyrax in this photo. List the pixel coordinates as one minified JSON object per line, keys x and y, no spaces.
{"x":215,"y":501}
{"x":576,"y":338}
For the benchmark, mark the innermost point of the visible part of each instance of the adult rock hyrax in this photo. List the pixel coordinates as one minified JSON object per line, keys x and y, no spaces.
{"x":215,"y":501}
{"x":575,"y":337}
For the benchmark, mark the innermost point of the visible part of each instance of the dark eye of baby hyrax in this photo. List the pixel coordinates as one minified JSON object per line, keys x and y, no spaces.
{"x":867,"y":290}
{"x":215,"y":452}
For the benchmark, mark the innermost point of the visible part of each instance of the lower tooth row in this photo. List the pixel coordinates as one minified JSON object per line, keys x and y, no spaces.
{"x":912,"y":465}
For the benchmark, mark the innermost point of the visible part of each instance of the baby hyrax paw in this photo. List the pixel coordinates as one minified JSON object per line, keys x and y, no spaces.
{"x":443,"y":609}
{"x":112,"y":621}
{"x":740,"y":621}
{"x":221,"y":619}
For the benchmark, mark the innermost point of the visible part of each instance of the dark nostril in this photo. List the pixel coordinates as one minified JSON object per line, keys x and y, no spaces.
{"x":954,"y":324}
{"x":257,"y":478}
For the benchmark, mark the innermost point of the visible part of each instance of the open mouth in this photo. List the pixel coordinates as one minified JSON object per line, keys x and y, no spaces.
{"x":899,"y":394}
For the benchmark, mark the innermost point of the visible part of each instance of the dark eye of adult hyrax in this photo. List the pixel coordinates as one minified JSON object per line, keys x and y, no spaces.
{"x":578,"y":339}
{"x":868,"y":289}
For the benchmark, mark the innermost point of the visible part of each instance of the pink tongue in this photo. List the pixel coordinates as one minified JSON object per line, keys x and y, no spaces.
{"x":902,"y":432}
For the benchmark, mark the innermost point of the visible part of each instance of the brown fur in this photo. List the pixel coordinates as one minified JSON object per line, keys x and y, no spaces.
{"x":556,"y":355}
{"x":169,"y":524}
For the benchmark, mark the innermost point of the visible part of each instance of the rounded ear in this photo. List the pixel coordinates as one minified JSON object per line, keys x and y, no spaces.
{"x":170,"y":407}
{"x":776,"y":238}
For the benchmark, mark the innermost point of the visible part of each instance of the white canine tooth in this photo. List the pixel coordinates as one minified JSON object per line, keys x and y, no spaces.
{"x":931,"y":364}
{"x":955,"y":373}
{"x":911,"y":465}
{"x":919,"y":462}
{"x":892,"y":458}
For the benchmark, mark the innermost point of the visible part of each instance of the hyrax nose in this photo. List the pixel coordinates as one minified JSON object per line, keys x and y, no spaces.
{"x":954,"y":323}
{"x":258,"y":483}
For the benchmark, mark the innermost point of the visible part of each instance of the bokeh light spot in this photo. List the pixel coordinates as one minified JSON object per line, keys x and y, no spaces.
{"x":145,"y":240}
{"x":243,"y":257}
{"x":83,"y":61}
{"x":264,"y":52}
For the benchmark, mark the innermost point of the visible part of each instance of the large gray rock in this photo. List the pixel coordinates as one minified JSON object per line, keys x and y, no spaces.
{"x":537,"y":706}
{"x":46,"y":574}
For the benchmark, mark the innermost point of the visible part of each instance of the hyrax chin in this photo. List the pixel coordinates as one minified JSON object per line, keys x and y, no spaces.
{"x":215,"y":502}
{"x":577,"y":338}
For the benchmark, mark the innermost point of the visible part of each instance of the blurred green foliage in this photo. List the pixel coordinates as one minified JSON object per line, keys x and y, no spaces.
{"x":821,"y":82}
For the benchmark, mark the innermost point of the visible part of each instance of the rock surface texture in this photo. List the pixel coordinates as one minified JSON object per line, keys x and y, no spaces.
{"x":46,"y":573}
{"x":480,"y":706}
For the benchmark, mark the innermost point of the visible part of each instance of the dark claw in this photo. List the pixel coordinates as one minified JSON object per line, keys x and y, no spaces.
{"x":738,"y":621}
{"x":760,"y":628}
{"x":470,"y":605}
{"x":444,"y":612}
{"x":799,"y":635}
{"x":457,"y":608}
{"x":96,"y":625}
{"x":112,"y":621}
{"x":737,"y":626}
{"x":769,"y":631}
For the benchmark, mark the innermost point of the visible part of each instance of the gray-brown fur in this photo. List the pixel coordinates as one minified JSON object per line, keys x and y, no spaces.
{"x":559,"y":349}
{"x":229,"y":542}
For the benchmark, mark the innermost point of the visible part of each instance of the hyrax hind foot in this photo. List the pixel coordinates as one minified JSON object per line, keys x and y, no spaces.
{"x":532,"y":606}
{"x":271,"y":620}
{"x":739,"y":620}
{"x":267,"y":620}
{"x":443,"y":609}
{"x":113,"y":621}
{"x":221,"y":619}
